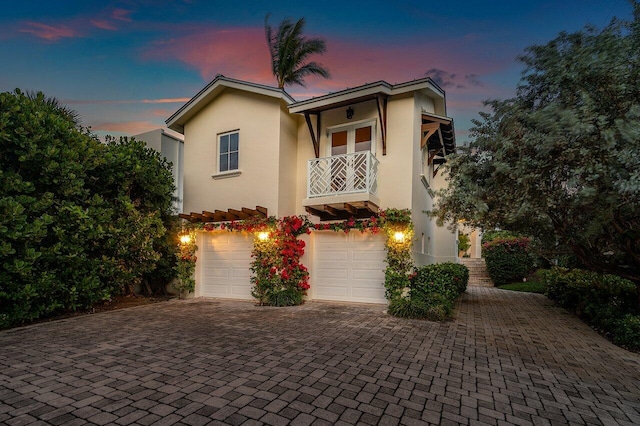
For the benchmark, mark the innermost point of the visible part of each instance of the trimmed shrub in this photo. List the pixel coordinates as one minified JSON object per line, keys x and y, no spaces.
{"x":285,"y":297}
{"x":489,"y":236}
{"x":80,"y":221}
{"x":627,"y":332}
{"x":434,"y":308}
{"x":607,"y":302}
{"x":508,"y":259}
{"x":432,"y":291}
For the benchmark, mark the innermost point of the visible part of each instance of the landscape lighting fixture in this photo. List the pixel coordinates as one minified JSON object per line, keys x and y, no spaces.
{"x":350,"y":113}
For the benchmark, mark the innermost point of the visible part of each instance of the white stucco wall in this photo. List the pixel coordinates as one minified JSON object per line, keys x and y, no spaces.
{"x":288,"y":163}
{"x":433,"y":243}
{"x":172,"y":149}
{"x":258,"y":120}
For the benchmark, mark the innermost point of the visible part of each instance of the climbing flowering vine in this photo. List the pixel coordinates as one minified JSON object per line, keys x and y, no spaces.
{"x":186,"y":262}
{"x":278,"y":277}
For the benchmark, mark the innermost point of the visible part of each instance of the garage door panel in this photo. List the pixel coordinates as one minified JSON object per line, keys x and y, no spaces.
{"x":332,"y":293}
{"x":226,"y":265}
{"x":375,"y":256}
{"x":332,"y":273}
{"x":333,"y":254}
{"x":216,"y":272}
{"x":242,"y":273}
{"x":368,"y":274}
{"x":348,"y":267}
{"x":368,"y":293}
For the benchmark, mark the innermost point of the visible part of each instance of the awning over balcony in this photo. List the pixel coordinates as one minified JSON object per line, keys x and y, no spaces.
{"x":379,"y":92}
{"x":439,"y":137}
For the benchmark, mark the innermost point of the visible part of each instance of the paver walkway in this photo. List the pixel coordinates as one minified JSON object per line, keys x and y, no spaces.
{"x":508,"y":358}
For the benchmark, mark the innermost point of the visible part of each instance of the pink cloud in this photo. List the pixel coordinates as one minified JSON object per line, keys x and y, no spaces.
{"x":128,"y":127}
{"x":242,"y":53}
{"x":236,"y":52}
{"x":125,"y":101}
{"x":165,"y":101}
{"x":49,"y":32}
{"x":110,"y":19}
{"x":103,"y":24}
{"x":122,"y":15}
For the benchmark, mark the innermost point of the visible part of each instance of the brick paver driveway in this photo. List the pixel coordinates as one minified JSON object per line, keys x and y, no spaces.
{"x":508,"y":358}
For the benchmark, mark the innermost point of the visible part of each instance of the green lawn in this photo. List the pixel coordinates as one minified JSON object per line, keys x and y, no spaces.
{"x":533,"y":284}
{"x":529,"y":287}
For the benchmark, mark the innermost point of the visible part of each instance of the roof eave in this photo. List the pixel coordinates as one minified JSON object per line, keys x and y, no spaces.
{"x":363,"y":93}
{"x":214,"y":88}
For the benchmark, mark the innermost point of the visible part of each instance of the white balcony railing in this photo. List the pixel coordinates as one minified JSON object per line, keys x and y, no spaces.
{"x":342,"y":174}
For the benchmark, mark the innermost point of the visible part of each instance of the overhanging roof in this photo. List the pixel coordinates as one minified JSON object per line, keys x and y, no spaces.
{"x":438,"y":133}
{"x":213,"y":89}
{"x":364,"y":93}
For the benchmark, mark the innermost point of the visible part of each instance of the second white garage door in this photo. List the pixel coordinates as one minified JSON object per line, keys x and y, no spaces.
{"x":348,"y":267}
{"x":226,"y":259}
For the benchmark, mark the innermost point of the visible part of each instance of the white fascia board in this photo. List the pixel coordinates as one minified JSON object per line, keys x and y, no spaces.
{"x":213,"y":89}
{"x":441,"y":117}
{"x":416,"y":85}
{"x":380,"y":87}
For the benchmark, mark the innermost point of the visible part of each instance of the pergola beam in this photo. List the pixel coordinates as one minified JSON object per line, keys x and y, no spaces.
{"x":224,"y":216}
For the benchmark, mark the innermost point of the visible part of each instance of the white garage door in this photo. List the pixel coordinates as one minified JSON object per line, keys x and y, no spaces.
{"x":348,"y":267}
{"x":226,"y":258}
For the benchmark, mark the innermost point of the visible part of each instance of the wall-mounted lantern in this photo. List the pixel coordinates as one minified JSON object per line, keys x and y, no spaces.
{"x":185,"y":238}
{"x":350,"y":112}
{"x":399,"y":237}
{"x":263,"y":236}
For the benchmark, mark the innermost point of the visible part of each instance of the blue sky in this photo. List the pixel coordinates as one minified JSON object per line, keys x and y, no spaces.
{"x":127,"y":65}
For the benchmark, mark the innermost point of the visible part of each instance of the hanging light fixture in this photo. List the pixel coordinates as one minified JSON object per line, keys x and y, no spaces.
{"x":350,"y":112}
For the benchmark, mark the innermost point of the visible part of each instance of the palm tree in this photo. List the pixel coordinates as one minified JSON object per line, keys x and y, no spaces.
{"x":289,"y":50}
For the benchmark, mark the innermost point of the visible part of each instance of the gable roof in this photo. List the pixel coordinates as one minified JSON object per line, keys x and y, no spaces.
{"x":364,"y":93}
{"x":212,"y":90}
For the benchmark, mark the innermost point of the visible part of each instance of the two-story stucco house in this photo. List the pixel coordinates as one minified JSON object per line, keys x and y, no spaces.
{"x":251,"y":148}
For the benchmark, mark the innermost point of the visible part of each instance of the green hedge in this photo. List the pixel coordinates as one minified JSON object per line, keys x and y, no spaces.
{"x":80,"y":221}
{"x":433,"y":290}
{"x":508,"y":259}
{"x":607,"y":302}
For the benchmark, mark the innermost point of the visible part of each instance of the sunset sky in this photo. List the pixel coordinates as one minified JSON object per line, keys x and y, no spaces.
{"x":125,"y":65}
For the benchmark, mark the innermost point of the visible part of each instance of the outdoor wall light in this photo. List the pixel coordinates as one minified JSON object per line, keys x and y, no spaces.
{"x":185,"y":239}
{"x":399,"y":237}
{"x":350,"y":113}
{"x":263,"y":236}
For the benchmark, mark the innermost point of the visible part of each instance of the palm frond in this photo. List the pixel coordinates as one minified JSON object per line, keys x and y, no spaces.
{"x":290,"y":50}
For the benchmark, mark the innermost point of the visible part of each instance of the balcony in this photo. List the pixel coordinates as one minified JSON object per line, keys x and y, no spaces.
{"x":342,"y":186}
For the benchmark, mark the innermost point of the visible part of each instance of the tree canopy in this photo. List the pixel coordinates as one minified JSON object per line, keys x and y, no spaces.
{"x":80,"y":221}
{"x":561,"y":160}
{"x":290,"y":50}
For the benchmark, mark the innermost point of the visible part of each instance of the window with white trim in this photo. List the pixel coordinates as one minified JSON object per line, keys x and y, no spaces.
{"x":228,"y":151}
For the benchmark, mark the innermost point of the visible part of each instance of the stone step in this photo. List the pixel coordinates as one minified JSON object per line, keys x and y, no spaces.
{"x":478,"y":275}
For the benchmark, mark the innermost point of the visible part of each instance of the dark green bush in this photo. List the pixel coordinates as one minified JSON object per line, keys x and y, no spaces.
{"x":79,"y":220}
{"x":489,"y":236}
{"x":607,"y":302}
{"x":285,"y":297}
{"x":627,"y":332}
{"x":433,"y":290}
{"x":448,"y":279}
{"x":508,"y":259}
{"x":435,"y":308}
